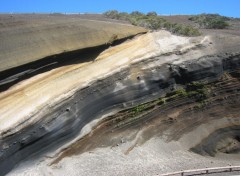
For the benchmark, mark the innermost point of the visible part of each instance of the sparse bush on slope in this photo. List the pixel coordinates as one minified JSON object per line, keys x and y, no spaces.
{"x":152,"y":21}
{"x":211,"y":21}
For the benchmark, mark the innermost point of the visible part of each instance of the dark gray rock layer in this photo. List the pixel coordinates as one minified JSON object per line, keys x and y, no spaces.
{"x":66,"y":120}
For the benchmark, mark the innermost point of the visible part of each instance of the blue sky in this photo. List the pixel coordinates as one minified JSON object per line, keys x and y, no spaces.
{"x":223,"y":7}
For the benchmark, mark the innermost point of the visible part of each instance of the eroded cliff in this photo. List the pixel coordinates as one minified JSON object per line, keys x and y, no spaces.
{"x":156,"y":86}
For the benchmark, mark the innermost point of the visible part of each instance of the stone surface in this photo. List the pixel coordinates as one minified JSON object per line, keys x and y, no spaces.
{"x":27,"y":38}
{"x":55,"y":105}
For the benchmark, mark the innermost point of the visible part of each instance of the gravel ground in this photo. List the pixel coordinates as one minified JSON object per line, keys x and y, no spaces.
{"x":155,"y":157}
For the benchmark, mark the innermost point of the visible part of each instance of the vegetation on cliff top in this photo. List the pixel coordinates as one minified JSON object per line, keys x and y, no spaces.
{"x":152,"y":21}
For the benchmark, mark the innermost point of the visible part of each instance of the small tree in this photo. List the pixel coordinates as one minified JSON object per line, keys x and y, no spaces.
{"x":136,"y":13}
{"x":151,"y":14}
{"x":111,"y":14}
{"x":123,"y":16}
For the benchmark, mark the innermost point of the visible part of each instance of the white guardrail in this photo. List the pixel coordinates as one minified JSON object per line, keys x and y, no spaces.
{"x":203,"y":171}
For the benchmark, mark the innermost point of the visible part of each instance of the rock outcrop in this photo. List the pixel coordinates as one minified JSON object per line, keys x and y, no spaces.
{"x":27,"y":38}
{"x":47,"y":110}
{"x":33,"y":43}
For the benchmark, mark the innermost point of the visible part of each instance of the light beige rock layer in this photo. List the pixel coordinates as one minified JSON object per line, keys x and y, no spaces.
{"x":30,"y":100}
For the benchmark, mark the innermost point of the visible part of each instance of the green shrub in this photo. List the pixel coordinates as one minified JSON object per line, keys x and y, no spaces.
{"x":179,"y":92}
{"x":137,"y":13}
{"x":218,"y":24}
{"x":123,"y":16}
{"x":152,"y":21}
{"x":211,"y":21}
{"x":138,"y":109}
{"x":152,"y":14}
{"x":197,"y":90}
{"x":111,"y":14}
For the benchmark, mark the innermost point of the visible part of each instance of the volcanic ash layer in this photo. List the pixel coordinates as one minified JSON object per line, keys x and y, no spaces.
{"x":153,"y":72}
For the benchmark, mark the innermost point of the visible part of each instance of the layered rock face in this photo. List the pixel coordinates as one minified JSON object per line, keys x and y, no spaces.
{"x":27,"y":38}
{"x":34,"y":43}
{"x":155,"y":85}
